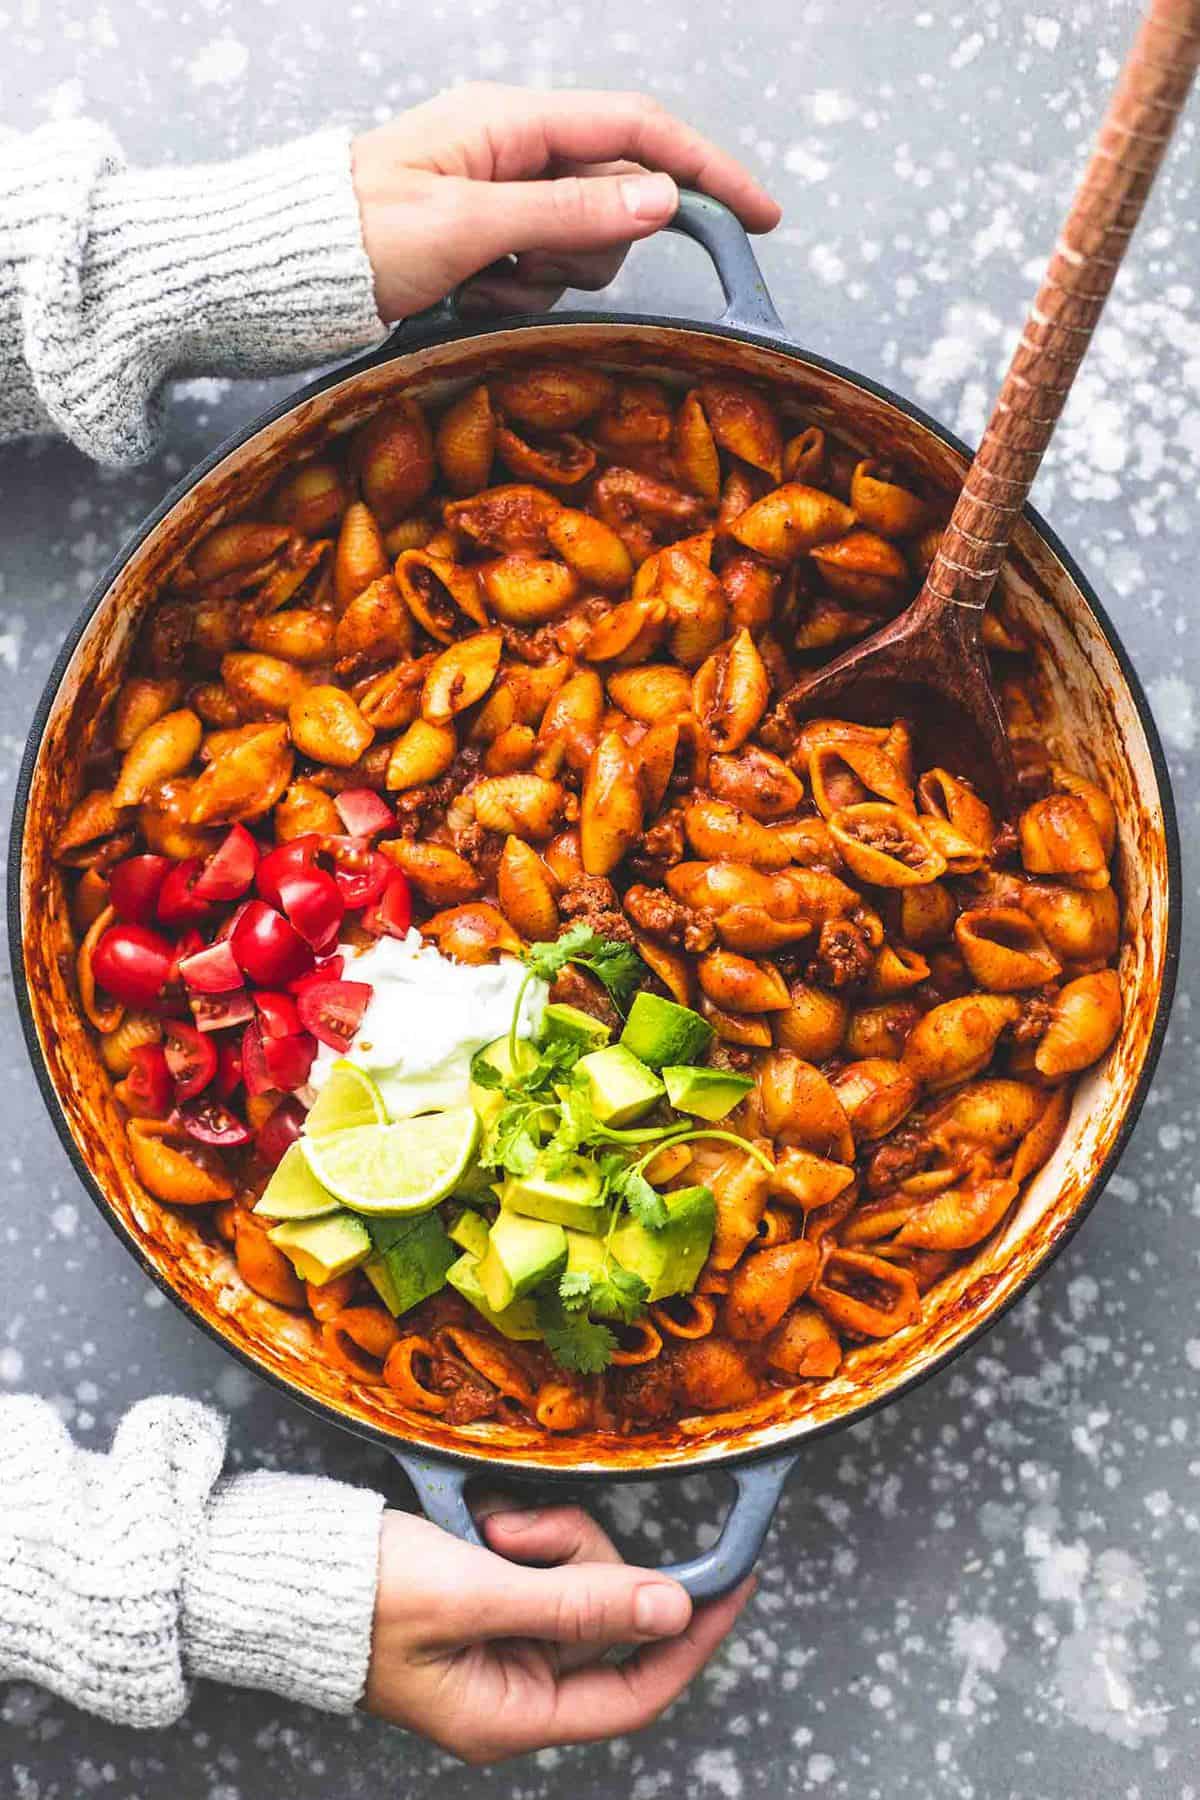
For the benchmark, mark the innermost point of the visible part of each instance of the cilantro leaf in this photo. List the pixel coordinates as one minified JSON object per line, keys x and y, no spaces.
{"x":513,"y":1139}
{"x":483,"y":1073}
{"x":644,"y":1202}
{"x":619,"y":1294}
{"x":617,"y":965}
{"x":575,"y":1289}
{"x":573,"y":1340}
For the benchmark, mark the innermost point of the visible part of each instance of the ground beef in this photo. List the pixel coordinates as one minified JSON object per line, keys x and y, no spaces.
{"x":843,"y":955}
{"x":1036,"y":1010}
{"x":468,"y":1396}
{"x":593,"y":900}
{"x":732,"y":1057}
{"x":1005,"y":844}
{"x":419,"y":807}
{"x":904,"y":1153}
{"x":665,"y":841}
{"x":482,"y":849}
{"x":643,"y":1394}
{"x":891,"y":841}
{"x":660,"y":915}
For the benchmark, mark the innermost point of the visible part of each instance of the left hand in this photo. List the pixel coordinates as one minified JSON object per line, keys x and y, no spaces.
{"x":490,"y":1659}
{"x":566,"y":181}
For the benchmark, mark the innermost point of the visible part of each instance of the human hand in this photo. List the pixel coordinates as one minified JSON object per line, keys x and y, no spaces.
{"x":490,"y":1659}
{"x":565,"y":180}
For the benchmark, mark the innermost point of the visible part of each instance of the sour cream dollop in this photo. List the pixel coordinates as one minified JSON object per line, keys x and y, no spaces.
{"x":426,"y":1018}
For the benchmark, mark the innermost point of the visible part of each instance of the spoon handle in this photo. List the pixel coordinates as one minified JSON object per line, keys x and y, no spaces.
{"x":1133,"y":139}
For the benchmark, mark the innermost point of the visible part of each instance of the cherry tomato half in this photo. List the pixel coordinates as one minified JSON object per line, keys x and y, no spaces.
{"x":269,"y":949}
{"x":289,"y":1059}
{"x":134,"y":886}
{"x":211,"y":1122}
{"x":333,"y":1010}
{"x":191,"y":1058}
{"x":177,"y":902}
{"x":328,"y":968}
{"x":132,"y":963}
{"x":360,"y":872}
{"x":391,"y":914}
{"x":280,"y":1131}
{"x":311,"y":900}
{"x":279,"y":1014}
{"x":228,"y":1078}
{"x":255,"y":1073}
{"x":285,"y":859}
{"x":217,"y":1012}
{"x":147,"y":1090}
{"x":229,"y":871}
{"x":363,"y":812}
{"x":213,"y":970}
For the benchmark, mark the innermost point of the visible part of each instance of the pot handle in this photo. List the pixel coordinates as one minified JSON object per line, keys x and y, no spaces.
{"x":748,"y":304}
{"x":440,"y":1486}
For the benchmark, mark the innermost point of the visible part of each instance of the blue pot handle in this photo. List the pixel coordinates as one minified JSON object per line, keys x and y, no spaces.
{"x":440,"y":1488}
{"x":748,"y":305}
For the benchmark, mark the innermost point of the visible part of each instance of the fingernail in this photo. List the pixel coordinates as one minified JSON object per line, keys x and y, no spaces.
{"x":516,"y":1521}
{"x":660,"y":1611}
{"x":649,"y":196}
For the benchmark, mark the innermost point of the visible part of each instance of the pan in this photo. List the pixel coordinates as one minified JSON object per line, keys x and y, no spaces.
{"x":1099,"y":717}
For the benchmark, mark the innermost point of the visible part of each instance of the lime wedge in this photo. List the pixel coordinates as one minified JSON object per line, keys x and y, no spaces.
{"x":349,"y":1098}
{"x":293,"y":1191}
{"x":402,"y":1168}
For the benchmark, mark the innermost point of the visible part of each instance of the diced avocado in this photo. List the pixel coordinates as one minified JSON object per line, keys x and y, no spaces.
{"x":293,"y":1191}
{"x":574,"y":1025}
{"x":707,"y":1093}
{"x":475,"y":1185}
{"x":488,"y":1101}
{"x":413,"y":1255}
{"x":669,"y":1260}
{"x":470,"y":1232}
{"x":519,"y":1320}
{"x":622,"y":1088}
{"x":321,"y":1249}
{"x":573,"y":1195}
{"x":521,"y":1253}
{"x":661,"y":1032}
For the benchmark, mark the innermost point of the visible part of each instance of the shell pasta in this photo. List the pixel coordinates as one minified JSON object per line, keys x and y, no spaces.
{"x":510,"y":665}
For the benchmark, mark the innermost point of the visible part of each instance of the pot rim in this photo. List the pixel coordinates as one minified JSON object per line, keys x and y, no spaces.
{"x":440,"y":327}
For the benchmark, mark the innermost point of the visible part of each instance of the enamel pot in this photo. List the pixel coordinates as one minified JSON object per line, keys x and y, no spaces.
{"x":1098,"y":720}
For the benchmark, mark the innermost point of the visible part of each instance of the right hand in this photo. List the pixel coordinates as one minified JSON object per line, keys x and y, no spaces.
{"x":565,"y":181}
{"x":491,"y":1659}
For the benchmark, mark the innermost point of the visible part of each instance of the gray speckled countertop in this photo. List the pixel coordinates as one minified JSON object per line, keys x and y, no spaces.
{"x":990,"y":1590}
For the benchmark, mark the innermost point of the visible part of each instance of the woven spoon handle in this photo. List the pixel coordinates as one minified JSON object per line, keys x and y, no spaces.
{"x":1133,"y":139}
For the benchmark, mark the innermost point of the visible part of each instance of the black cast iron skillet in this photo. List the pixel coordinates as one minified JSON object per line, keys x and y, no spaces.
{"x":759,"y":1458}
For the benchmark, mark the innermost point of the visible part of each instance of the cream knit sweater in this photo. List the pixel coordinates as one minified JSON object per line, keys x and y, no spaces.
{"x":124,"y":1577}
{"x":113,"y":279}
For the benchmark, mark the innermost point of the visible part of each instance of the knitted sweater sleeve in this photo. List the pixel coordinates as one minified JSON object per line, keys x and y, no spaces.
{"x":125,"y":1576}
{"x":114,"y":279}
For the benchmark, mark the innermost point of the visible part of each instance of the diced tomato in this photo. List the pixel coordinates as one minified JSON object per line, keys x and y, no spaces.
{"x":286,"y":859}
{"x":255,"y":1073}
{"x":289,"y":1059}
{"x":229,"y":871}
{"x":313,"y":904}
{"x":328,"y":968}
{"x":191,"y":1058}
{"x":177,"y":902}
{"x":148,"y":1089}
{"x":134,"y":886}
{"x":211,"y":1122}
{"x":217,"y":1012}
{"x":333,"y":1010}
{"x":269,"y":949}
{"x":133,"y":964}
{"x":363,"y":812}
{"x":391,"y":914}
{"x":228,"y":1078}
{"x":213,"y":970}
{"x":278,"y":1012}
{"x":360,"y":872}
{"x":280,"y":1131}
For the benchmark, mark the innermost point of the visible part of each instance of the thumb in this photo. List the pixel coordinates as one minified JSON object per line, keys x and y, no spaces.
{"x":600,"y":1604}
{"x":574,"y":212}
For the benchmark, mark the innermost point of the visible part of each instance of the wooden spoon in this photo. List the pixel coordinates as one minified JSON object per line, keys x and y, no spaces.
{"x":932,"y":654}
